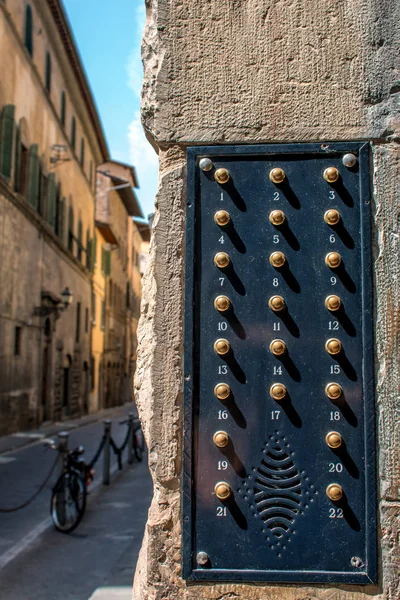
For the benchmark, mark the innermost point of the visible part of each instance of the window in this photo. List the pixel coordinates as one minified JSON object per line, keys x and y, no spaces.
{"x":60,"y":229}
{"x":78,"y":322}
{"x":93,"y":252}
{"x":82,"y":158}
{"x":110,"y":293}
{"x":6,"y":141}
{"x":91,"y":173}
{"x":63,"y":108}
{"x":79,"y":251}
{"x":70,"y":229}
{"x":88,"y":245}
{"x":48,"y":72}
{"x":17,"y":341}
{"x":42,"y":191}
{"x":33,"y":177}
{"x":86,"y":320}
{"x":51,"y":200}
{"x":103,"y":314}
{"x":93,"y":308}
{"x":73,"y":133}
{"x":29,"y":30}
{"x":21,"y":165}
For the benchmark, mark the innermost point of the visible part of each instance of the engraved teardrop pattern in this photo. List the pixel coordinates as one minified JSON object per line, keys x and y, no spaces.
{"x":281,"y":493}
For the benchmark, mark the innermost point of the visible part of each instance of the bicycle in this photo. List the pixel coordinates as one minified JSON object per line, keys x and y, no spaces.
{"x":68,"y":499}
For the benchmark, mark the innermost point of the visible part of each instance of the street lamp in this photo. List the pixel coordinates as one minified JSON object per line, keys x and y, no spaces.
{"x":66,"y":297}
{"x":53,"y":304}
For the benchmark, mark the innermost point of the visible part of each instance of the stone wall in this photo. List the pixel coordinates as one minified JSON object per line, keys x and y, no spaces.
{"x":262,"y":71}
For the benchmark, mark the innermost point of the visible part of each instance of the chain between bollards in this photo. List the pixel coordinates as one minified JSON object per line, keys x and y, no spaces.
{"x":106,"y":456}
{"x":130,"y":439}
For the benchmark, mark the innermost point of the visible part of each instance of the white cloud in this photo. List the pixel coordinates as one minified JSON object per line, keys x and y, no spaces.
{"x":145,"y":159}
{"x":141,"y":153}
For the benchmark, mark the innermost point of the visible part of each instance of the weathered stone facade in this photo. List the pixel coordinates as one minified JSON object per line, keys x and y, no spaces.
{"x":52,"y":142}
{"x":246,"y":72}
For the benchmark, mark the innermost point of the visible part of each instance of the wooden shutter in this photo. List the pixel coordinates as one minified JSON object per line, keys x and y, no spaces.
{"x":61,"y":219}
{"x":51,"y":200}
{"x":7,"y":138}
{"x":33,"y":177}
{"x":107,"y":257}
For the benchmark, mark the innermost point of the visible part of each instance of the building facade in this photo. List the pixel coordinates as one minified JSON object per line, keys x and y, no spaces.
{"x":51,"y":142}
{"x":117,"y":284}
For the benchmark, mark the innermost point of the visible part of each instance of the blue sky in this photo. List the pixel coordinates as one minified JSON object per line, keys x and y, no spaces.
{"x":108,"y":37}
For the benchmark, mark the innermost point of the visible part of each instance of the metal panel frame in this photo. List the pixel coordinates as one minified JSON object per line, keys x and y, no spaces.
{"x":190,"y":371}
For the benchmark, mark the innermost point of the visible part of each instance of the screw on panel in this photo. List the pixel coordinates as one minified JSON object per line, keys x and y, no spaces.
{"x":349,"y":160}
{"x":205,"y":164}
{"x":356,"y":561}
{"x":202,"y":558}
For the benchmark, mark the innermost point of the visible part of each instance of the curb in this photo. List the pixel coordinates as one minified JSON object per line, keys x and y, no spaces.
{"x":37,"y":435}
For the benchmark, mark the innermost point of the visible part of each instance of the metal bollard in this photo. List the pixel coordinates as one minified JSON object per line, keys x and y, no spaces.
{"x":63,"y":441}
{"x":130,"y":439}
{"x":106,"y":455}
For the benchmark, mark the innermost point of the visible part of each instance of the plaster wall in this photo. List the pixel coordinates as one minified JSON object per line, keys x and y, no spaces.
{"x":263,"y":71}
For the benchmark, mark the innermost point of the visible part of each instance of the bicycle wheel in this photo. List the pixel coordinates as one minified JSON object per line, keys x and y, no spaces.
{"x":138,"y":446}
{"x":68,"y":502}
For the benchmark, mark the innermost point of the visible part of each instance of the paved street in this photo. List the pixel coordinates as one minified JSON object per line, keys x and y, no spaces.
{"x":38,"y":562}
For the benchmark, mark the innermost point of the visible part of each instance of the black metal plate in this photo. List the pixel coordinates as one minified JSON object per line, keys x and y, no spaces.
{"x":266,"y":532}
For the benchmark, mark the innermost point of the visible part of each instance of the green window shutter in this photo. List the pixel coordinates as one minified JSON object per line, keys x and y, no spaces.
{"x":93,"y":249}
{"x":61,"y":219}
{"x":7,"y":138}
{"x":70,"y":229}
{"x":51,"y":200}
{"x":17,"y":166}
{"x":79,"y":252}
{"x":107,"y":270}
{"x":33,"y":180}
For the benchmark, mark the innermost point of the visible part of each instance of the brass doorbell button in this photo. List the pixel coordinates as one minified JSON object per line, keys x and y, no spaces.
{"x":222,"y":303}
{"x":222,"y":391}
{"x":276,"y":303}
{"x":331,"y":174}
{"x":333,"y":260}
{"x":277,"y":175}
{"x":278,"y":391}
{"x":277,"y":259}
{"x":334,"y":391}
{"x":222,"y":218}
{"x":334,"y":439}
{"x":221,"y":260}
{"x":333,"y":346}
{"x":333,"y":302}
{"x":334,"y":491}
{"x":221,"y":439}
{"x":222,"y":346}
{"x":222,"y":175}
{"x":277,"y":217}
{"x":222,"y":490}
{"x":277,"y":347}
{"x":332,"y":217}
